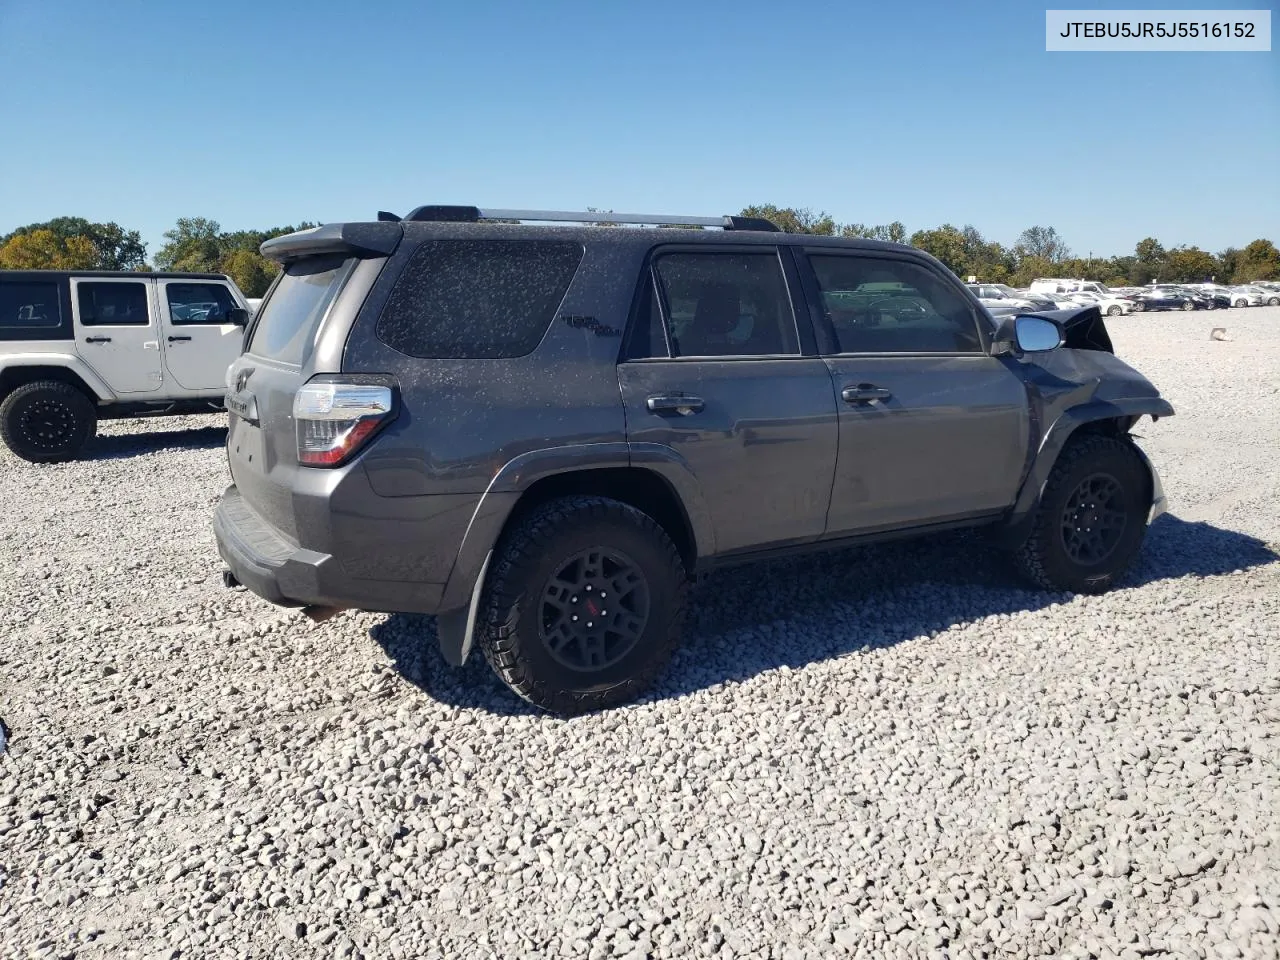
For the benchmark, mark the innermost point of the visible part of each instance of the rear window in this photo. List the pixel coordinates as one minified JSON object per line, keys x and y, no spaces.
{"x":478,"y":299}
{"x":286,"y":323}
{"x":28,"y":306}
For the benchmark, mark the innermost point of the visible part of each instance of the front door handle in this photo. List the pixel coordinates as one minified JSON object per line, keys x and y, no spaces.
{"x":176,"y":339}
{"x":864,"y":393}
{"x":682,"y":405}
{"x":97,"y":339}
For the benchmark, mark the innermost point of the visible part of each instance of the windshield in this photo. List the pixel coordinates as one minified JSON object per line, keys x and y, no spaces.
{"x":285,"y":325}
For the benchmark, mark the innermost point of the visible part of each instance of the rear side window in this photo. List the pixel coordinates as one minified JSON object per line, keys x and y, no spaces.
{"x":286,"y":323}
{"x":113,"y":304}
{"x":29,"y":306}
{"x":478,"y":299}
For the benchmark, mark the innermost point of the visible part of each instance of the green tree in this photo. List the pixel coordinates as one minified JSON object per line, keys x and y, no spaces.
{"x":193,"y":245}
{"x":1149,"y":261}
{"x":113,"y":247}
{"x":1260,"y":260}
{"x":794,"y":220}
{"x":1189,"y":265}
{"x":1228,"y":264}
{"x":45,"y":250}
{"x":890,"y":232}
{"x":1042,"y":242}
{"x":944,"y":242}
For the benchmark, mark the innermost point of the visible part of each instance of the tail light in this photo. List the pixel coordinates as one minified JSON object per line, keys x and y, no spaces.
{"x":336,"y":416}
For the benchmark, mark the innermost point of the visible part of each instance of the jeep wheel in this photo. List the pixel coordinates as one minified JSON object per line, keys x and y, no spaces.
{"x":583,"y":606}
{"x":47,"y":421}
{"x":1091,"y":519}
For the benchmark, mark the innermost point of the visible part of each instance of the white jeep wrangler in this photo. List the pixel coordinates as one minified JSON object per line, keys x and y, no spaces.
{"x":76,"y":347}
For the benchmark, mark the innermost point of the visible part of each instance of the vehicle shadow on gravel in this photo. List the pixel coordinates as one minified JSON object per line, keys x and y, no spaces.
{"x":124,"y":445}
{"x":748,"y":620}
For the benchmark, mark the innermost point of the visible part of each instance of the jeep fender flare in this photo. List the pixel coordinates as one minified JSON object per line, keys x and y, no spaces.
{"x":460,"y":601}
{"x":1014,"y":529}
{"x":95,"y":384}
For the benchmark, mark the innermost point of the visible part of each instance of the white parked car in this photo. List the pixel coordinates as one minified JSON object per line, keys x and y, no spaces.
{"x":1109,"y":305}
{"x":77,"y":347}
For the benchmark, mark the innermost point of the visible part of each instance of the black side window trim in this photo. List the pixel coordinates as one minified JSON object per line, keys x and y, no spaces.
{"x":829,"y":345}
{"x":649,"y":283}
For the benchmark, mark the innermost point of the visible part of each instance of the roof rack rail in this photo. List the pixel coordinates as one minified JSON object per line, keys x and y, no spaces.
{"x":457,"y":214}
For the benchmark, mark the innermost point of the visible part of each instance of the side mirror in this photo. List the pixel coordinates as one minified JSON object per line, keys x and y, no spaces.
{"x":238,"y":315}
{"x":1026,"y":334}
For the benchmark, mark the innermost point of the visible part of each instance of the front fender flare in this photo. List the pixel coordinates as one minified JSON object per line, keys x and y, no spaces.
{"x":459,"y":605}
{"x":66,"y":362}
{"x":1016,"y":526}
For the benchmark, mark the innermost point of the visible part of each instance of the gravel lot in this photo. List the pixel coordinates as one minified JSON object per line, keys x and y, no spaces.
{"x":889,"y":752}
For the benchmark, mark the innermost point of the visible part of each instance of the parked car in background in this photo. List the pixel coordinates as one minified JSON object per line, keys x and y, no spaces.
{"x":1109,"y":305}
{"x":1247,"y":295}
{"x":1161,"y":299}
{"x":1197,"y":299}
{"x":1272,"y":290}
{"x":77,"y":347}
{"x":999,"y":302}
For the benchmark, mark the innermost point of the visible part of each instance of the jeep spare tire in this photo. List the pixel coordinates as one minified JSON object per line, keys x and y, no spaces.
{"x":47,"y":421}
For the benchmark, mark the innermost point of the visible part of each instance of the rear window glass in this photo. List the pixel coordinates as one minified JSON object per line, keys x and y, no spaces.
{"x":104,"y":304}
{"x":286,"y":323}
{"x":473,"y":299}
{"x":29,"y":306}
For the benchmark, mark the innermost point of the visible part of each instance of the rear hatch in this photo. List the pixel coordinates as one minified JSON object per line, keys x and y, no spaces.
{"x":297,"y":333}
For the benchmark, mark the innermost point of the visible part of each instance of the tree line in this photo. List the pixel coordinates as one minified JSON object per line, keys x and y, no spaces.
{"x":200,"y":245}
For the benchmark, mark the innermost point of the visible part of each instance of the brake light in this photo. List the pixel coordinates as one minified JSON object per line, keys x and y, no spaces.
{"x":336,"y":417}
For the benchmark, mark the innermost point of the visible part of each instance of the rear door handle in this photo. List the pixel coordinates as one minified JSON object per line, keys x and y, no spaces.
{"x":684,"y":406}
{"x":97,"y":339}
{"x":176,"y":339}
{"x":864,"y":393}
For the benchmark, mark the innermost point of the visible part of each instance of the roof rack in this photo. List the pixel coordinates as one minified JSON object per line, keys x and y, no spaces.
{"x":446,"y":214}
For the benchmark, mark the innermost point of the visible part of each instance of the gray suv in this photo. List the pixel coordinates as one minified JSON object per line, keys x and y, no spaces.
{"x":541,"y":433}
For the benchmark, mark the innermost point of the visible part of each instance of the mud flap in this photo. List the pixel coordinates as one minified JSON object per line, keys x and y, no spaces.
{"x":456,"y":629}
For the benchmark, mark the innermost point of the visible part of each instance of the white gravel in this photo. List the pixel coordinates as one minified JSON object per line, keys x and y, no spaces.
{"x":890,"y":752}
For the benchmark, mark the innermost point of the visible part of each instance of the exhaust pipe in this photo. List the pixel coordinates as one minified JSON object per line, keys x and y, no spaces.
{"x":317,"y":613}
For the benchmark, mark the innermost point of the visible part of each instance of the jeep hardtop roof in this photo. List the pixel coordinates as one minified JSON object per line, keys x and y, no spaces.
{"x":140,"y":274}
{"x":381,"y":237}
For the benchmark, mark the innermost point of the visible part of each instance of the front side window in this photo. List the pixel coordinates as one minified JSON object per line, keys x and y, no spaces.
{"x":877,"y":305}
{"x":113,"y":304}
{"x":191,"y":303}
{"x":29,"y":306}
{"x":726,"y":304}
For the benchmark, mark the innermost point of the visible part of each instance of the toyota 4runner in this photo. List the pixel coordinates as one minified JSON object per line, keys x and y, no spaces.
{"x":77,"y":347}
{"x":540,"y":433}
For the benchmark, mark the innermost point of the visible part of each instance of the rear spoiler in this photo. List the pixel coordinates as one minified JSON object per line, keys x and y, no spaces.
{"x":353,"y":239}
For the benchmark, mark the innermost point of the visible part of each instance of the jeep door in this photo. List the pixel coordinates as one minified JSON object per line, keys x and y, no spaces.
{"x":117,"y":333}
{"x":200,"y":341}
{"x":715,"y":377}
{"x":932,"y":428}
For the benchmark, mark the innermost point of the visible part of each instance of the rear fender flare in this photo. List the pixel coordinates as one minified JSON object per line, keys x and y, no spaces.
{"x":460,"y":601}
{"x":1015,"y":528}
{"x":95,"y":385}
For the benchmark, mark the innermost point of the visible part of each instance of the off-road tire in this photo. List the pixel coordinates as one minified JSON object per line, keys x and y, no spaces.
{"x":69,"y":407}
{"x":1043,"y":557}
{"x":512,"y":604}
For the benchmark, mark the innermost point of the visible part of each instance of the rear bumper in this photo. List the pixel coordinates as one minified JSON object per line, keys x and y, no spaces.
{"x":277,"y":570}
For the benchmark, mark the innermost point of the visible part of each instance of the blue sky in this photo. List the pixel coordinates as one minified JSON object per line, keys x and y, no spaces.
{"x":258,"y":114}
